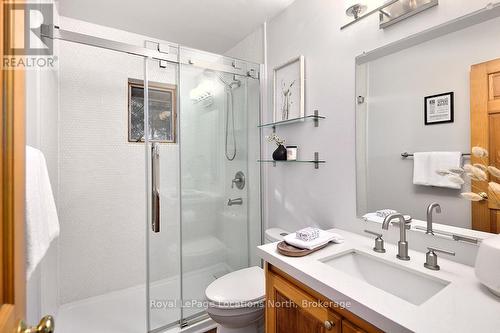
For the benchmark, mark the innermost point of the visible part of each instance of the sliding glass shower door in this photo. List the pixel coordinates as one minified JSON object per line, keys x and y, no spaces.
{"x":163,"y":221}
{"x":203,"y":192}
{"x":214,"y":175}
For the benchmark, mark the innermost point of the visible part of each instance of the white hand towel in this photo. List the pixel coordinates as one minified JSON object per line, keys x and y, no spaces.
{"x":373,"y":217}
{"x":307,"y":234}
{"x":324,"y":238}
{"x":426,"y":167}
{"x":385,"y":212}
{"x":42,"y":223}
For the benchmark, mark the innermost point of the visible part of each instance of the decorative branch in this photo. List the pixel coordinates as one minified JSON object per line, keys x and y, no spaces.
{"x":276,"y":139}
{"x":478,"y":172}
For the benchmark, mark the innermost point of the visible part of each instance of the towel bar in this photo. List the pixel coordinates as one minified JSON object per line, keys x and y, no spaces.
{"x":406,"y":155}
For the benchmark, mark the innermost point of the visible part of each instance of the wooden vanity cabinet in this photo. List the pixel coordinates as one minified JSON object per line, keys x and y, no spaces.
{"x":292,"y":307}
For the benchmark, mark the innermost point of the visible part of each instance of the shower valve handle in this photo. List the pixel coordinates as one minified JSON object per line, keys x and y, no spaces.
{"x":239,"y":180}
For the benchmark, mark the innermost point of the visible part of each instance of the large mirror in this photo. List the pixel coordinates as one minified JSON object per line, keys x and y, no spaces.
{"x":421,"y":102}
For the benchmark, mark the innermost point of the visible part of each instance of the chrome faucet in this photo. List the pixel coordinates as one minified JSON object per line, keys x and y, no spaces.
{"x":430,"y":209}
{"x":237,"y":201}
{"x":402,"y":244}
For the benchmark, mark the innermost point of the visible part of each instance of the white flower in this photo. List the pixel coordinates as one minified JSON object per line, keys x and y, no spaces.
{"x":468,"y":168}
{"x":458,"y":171}
{"x":481,"y":166}
{"x":475,"y":173}
{"x":479,"y":152}
{"x":456,"y":179}
{"x":472,"y":196}
{"x":443,"y":172}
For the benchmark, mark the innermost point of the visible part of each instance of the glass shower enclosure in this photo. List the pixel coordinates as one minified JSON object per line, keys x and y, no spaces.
{"x":165,"y":139}
{"x":204,"y":185}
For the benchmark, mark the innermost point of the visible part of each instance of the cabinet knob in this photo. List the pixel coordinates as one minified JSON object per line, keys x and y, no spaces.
{"x":329,"y":324}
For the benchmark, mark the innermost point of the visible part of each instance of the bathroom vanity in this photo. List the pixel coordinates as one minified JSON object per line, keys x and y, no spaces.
{"x":350,"y":288}
{"x":313,"y":312}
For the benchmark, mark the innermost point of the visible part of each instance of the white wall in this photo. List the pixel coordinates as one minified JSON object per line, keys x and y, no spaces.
{"x":298,"y":195}
{"x":42,"y":133}
{"x":397,"y":85}
{"x":251,"y":48}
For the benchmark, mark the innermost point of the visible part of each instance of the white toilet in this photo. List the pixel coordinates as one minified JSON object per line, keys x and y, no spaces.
{"x":236,"y":300}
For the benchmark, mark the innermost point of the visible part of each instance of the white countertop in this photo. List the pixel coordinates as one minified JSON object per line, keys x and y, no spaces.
{"x":464,"y":305}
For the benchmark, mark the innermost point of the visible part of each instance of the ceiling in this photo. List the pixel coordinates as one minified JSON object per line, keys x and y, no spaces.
{"x":211,"y":25}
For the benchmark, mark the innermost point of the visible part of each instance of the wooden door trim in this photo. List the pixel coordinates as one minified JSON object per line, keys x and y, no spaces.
{"x":12,"y":191}
{"x":483,"y":106}
{"x":479,"y":88}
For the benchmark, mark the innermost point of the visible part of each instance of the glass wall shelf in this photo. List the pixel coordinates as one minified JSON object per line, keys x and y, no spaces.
{"x":316,"y":161}
{"x":315,"y":117}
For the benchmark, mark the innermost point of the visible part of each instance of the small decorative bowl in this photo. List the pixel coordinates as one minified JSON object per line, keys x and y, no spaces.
{"x":487,"y":266}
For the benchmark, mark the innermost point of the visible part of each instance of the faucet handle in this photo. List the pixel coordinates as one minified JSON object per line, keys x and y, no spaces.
{"x":431,"y":257}
{"x":379,"y":242}
{"x":373,"y":233}
{"x":435,"y":249}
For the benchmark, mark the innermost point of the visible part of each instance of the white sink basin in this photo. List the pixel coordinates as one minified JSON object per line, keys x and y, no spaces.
{"x":407,"y":284}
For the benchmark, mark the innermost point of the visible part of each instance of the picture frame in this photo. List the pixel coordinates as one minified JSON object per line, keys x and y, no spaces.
{"x":162,"y":110}
{"x":289,"y":90}
{"x":439,"y":109}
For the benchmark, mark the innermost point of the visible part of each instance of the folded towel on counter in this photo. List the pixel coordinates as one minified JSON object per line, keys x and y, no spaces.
{"x":42,"y":223}
{"x":323,"y":238}
{"x":373,"y":217}
{"x":427,"y":164}
{"x":385,"y":212}
{"x":307,"y":234}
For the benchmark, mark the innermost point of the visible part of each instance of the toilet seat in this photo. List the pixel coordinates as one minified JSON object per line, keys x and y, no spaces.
{"x":244,"y":288}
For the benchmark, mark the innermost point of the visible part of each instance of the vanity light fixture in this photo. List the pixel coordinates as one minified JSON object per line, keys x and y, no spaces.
{"x":391,"y":12}
{"x":355,"y":10}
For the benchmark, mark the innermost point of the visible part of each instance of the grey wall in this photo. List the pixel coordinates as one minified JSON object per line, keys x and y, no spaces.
{"x":397,"y":85}
{"x":298,"y":195}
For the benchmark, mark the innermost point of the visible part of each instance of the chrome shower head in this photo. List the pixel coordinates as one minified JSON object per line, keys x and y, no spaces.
{"x":235,"y":83}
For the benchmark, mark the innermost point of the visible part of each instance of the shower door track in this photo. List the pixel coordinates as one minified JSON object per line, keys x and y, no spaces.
{"x":54,"y":32}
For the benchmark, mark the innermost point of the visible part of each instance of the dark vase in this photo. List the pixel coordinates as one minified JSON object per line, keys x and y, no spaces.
{"x":280,"y":153}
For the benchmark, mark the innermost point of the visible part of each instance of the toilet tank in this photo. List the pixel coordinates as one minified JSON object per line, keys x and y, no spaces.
{"x":275,"y":235}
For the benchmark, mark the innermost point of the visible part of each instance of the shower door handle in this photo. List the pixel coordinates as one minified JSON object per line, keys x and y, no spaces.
{"x":155,"y":187}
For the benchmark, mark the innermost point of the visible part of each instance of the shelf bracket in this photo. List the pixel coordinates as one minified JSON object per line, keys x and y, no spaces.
{"x":316,"y":120}
{"x":316,"y":160}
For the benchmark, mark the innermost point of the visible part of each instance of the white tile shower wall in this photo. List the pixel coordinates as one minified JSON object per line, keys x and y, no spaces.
{"x":408,"y":84}
{"x":251,"y":49}
{"x":234,"y":219}
{"x":41,"y":132}
{"x":298,"y":195}
{"x":102,"y":180}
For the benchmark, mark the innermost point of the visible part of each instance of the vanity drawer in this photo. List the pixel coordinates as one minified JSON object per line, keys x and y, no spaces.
{"x":294,"y":307}
{"x":292,"y":310}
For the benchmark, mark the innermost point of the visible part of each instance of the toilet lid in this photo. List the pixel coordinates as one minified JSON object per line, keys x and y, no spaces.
{"x":238,"y":289}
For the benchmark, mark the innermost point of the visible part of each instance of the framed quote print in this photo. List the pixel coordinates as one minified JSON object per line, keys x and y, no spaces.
{"x":439,"y":109}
